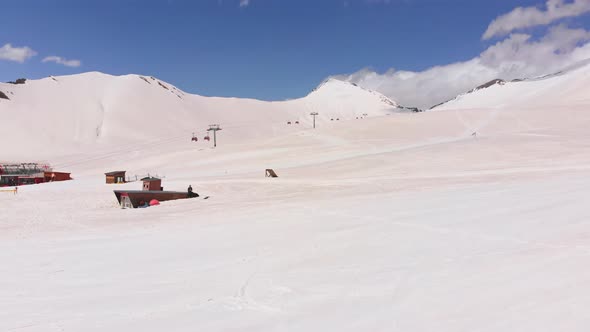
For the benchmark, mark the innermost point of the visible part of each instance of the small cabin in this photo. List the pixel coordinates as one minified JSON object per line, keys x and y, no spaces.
{"x":152,"y":184}
{"x":115,"y":177}
{"x":56,"y":176}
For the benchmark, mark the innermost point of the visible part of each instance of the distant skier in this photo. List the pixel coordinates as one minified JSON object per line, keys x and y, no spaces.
{"x":191,"y":194}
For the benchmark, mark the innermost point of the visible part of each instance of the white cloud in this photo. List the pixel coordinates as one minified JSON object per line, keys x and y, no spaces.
{"x":518,"y":56}
{"x":62,"y":61}
{"x":18,"y":54}
{"x":525,"y":17}
{"x":244,"y":3}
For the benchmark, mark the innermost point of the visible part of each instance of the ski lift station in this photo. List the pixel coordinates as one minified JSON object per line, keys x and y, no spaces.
{"x":29,"y":173}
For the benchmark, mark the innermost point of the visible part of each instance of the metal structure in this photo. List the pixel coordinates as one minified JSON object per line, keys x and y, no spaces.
{"x":24,"y":168}
{"x":270,"y":173}
{"x":13,"y":174}
{"x":314,"y":114}
{"x":214,"y":128}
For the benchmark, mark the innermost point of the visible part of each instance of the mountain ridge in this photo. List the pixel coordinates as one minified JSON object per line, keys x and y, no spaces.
{"x":97,"y":108}
{"x":567,"y":72}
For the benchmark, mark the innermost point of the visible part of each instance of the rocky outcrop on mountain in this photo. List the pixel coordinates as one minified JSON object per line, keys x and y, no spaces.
{"x":18,"y":81}
{"x":489,"y":84}
{"x":481,"y":87}
{"x":409,"y":109}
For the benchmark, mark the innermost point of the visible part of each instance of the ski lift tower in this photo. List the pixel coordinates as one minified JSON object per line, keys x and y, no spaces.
{"x":314,"y":114}
{"x":214,"y":128}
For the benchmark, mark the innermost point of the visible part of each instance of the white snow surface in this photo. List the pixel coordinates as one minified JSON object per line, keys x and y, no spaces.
{"x":404,"y":222}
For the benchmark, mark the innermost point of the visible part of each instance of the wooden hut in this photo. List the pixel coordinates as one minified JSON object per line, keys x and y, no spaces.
{"x":115,"y":177}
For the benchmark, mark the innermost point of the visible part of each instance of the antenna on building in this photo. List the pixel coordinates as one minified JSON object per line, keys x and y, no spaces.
{"x":214,"y":128}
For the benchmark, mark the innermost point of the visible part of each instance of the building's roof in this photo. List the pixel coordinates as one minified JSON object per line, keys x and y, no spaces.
{"x":115,"y":173}
{"x":161,"y":192}
{"x":150,"y":179}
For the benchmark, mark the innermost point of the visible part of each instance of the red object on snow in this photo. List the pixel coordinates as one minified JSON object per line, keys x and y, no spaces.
{"x":154,"y":202}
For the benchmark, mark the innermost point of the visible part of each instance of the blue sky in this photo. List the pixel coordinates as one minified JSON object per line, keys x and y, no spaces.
{"x":269,"y":49}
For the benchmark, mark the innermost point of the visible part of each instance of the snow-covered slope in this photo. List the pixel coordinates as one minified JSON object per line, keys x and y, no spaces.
{"x":571,"y":85}
{"x":90,"y":110}
{"x":392,"y":223}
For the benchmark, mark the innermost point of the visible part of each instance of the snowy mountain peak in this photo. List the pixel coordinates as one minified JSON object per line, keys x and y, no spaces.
{"x":334,"y":86}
